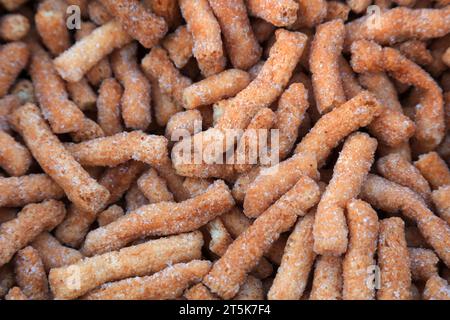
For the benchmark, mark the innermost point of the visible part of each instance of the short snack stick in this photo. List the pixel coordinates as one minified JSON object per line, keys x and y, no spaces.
{"x":179,"y":46}
{"x":434,"y":169}
{"x":199,"y":292}
{"x":310,"y":13}
{"x":82,"y":94}
{"x":436,"y":288}
{"x":154,"y":187}
{"x":108,"y":107}
{"x":279,"y":13}
{"x":14,"y":27}
{"x":111,"y":214}
{"x":424,"y":263}
{"x":15,"y":159}
{"x":327,"y":281}
{"x":14,"y":57}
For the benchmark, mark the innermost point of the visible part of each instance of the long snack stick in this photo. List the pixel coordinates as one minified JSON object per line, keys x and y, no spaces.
{"x":279,"y":13}
{"x":14,"y":57}
{"x":327,"y":281}
{"x":424,"y":263}
{"x":56,"y":161}
{"x":436,"y":288}
{"x":15,"y":159}
{"x":75,"y":280}
{"x":434,"y":169}
{"x":108,"y":107}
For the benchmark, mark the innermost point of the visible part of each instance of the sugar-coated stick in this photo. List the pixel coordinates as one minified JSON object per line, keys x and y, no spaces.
{"x":327,"y":281}
{"x":310,"y":13}
{"x":243,"y":182}
{"x":15,"y":159}
{"x":441,"y":200}
{"x":179,"y":45}
{"x":251,"y":289}
{"x":98,"y":13}
{"x":337,"y":10}
{"x":416,"y":51}
{"x":14,"y":57}
{"x":424,"y":263}
{"x":108,"y":107}
{"x":434,"y":169}
{"x":167,"y":9}
{"x":14,"y":27}
{"x":82,"y":94}
{"x":436,"y":288}
{"x":154,"y":187}
{"x":89,"y":130}
{"x":163,"y":105}
{"x":279,"y":13}
{"x":111,"y":214}
{"x":135,"y":199}
{"x":182,"y":123}
{"x":199,"y":292}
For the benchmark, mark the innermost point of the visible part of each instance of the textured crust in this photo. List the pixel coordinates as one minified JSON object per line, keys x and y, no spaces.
{"x":280,"y":13}
{"x":434,"y":169}
{"x":15,"y":159}
{"x":14,"y":27}
{"x":436,"y":288}
{"x":310,"y":13}
{"x":424,"y":263}
{"x":179,"y":46}
{"x":441,"y":199}
{"x":108,"y":107}
{"x":14,"y":57}
{"x":154,"y":187}
{"x":327,"y":281}
{"x":199,"y":292}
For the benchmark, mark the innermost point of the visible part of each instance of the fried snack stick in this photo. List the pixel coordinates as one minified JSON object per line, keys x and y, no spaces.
{"x":279,"y":13}
{"x":326,"y":49}
{"x":119,"y":148}
{"x":15,"y":159}
{"x":441,"y":199}
{"x":229,"y":272}
{"x":157,"y":65}
{"x":108,"y":107}
{"x":30,"y":274}
{"x":160,"y":219}
{"x":436,"y":288}
{"x":310,"y":13}
{"x":358,"y":6}
{"x":391,"y":197}
{"x":168,"y":9}
{"x":416,"y":51}
{"x":399,"y":24}
{"x":98,"y":13}
{"x":174,"y":181}
{"x":14,"y":27}
{"x":154,"y":187}
{"x":424,"y":263}
{"x":30,"y":222}
{"x":163,"y":285}
{"x":75,"y":280}
{"x":215,"y":88}
{"x":89,"y":130}
{"x":242,"y":48}
{"x":52,"y":253}
{"x":16,"y":294}
{"x":14,"y":57}
{"x":20,"y":191}
{"x":163,"y":105}
{"x":396,"y":168}
{"x":179,"y":45}
{"x":12,"y":5}
{"x":394,"y":262}
{"x":327,"y":281}
{"x":337,"y":10}
{"x":434,"y":169}
{"x":50,"y":22}
{"x":140,"y":23}
{"x":363,"y":228}
{"x":199,"y":292}
{"x":82,"y":94}
{"x":353,"y":165}
{"x":251,"y":289}
{"x":76,"y":61}
{"x":56,"y":161}
{"x":298,"y":259}
{"x":182,"y":123}
{"x":205,"y":30}
{"x":243,"y":182}
{"x":135,"y":199}
{"x":109,"y":215}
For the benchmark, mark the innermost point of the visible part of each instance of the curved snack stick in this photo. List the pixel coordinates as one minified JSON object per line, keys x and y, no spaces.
{"x":33,"y":188}
{"x":119,"y":148}
{"x":326,"y":49}
{"x":82,"y":94}
{"x":436,"y":288}
{"x":30,"y":274}
{"x":434,"y":169}
{"x":30,"y":222}
{"x":73,"y":63}
{"x":229,"y":272}
{"x":16,"y":294}
{"x":296,"y":264}
{"x":242,"y":48}
{"x":179,"y":46}
{"x":214,"y":88}
{"x":424,"y":263}
{"x":199,"y":292}
{"x":168,"y":9}
{"x":111,"y":214}
{"x":205,"y":30}
{"x":14,"y":27}
{"x":393,"y":259}
{"x":416,"y":51}
{"x":14,"y":57}
{"x":56,"y":161}
{"x":327,"y":281}
{"x":161,"y":219}
{"x":363,"y":228}
{"x":353,"y":165}
{"x":108,"y":107}
{"x":52,"y":253}
{"x":157,"y":65}
{"x":15,"y":159}
{"x":154,"y":187}
{"x":441,"y":199}
{"x":279,"y":13}
{"x":396,"y":168}
{"x":50,"y":22}
{"x":75,"y":280}
{"x":310,"y":13}
{"x":183,"y":123}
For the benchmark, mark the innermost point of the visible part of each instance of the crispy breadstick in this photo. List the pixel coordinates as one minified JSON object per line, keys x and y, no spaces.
{"x":14,"y":27}
{"x":310,"y":13}
{"x":423,"y":263}
{"x":199,"y":292}
{"x":179,"y":46}
{"x":14,"y":57}
{"x":108,"y":107}
{"x":436,"y":289}
{"x":15,"y":159}
{"x":441,"y":199}
{"x":154,"y":187}
{"x":75,"y":280}
{"x":57,"y":162}
{"x":205,"y":30}
{"x":327,"y":282}
{"x":109,"y":215}
{"x":434,"y":169}
{"x":30,"y":222}
{"x":279,"y":13}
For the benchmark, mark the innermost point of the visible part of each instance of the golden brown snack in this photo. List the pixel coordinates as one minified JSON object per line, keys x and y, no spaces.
{"x":279,"y":13}
{"x":424,"y":263}
{"x":135,"y":199}
{"x":98,"y":13}
{"x":154,"y":187}
{"x":82,"y":94}
{"x":337,"y":10}
{"x":251,"y":289}
{"x":434,"y":169}
{"x":111,"y":214}
{"x":183,"y":123}
{"x":416,"y":51}
{"x":16,"y":294}
{"x":327,"y":281}
{"x":310,"y":13}
{"x":15,"y":159}
{"x":14,"y":57}
{"x":179,"y":45}
{"x":14,"y":27}
{"x":199,"y":292}
{"x":441,"y":199}
{"x":89,"y":130}
{"x":108,"y":107}
{"x":168,"y":9}
{"x":436,"y":288}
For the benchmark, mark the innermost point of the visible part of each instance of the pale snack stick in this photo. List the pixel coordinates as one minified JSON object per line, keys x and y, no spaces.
{"x":52,"y":253}
{"x":8,"y":104}
{"x":434,"y":169}
{"x":20,"y":191}
{"x":135,"y":102}
{"x":89,"y":130}
{"x":279,"y":13}
{"x":183,"y":123}
{"x":206,"y":35}
{"x":327,"y":281}
{"x":157,"y":65}
{"x":215,"y":88}
{"x":394,"y":262}
{"x":353,"y":165}
{"x":396,"y":168}
{"x":199,"y":292}
{"x":163,"y":105}
{"x":310,"y":13}
{"x":262,"y":30}
{"x":230,"y":271}
{"x":14,"y":27}
{"x":30,"y":274}
{"x":290,"y":114}
{"x":179,"y":45}
{"x":15,"y":159}
{"x":138,"y":260}
{"x":161,"y":219}
{"x":154,"y":187}
{"x":399,"y":24}
{"x":358,"y":6}
{"x":391,"y":197}
{"x":424,"y":263}
{"x":111,"y":214}
{"x":441,"y":200}
{"x":98,"y":13}
{"x":82,"y":94}
{"x":16,"y":294}
{"x":56,"y":161}
{"x":50,"y":22}
{"x":76,"y":61}
{"x":436,"y":288}
{"x":296,"y":264}
{"x":7,"y":279}
{"x":363,"y":236}
{"x":14,"y":57}
{"x":108,"y":107}
{"x":62,"y":114}
{"x":416,"y":51}
{"x":135,"y":199}
{"x":243,"y":182}
{"x":326,"y":49}
{"x":337,"y":10}
{"x":242,"y":47}
{"x":251,"y":289}
{"x":12,"y":5}
{"x":29,"y":223}
{"x":119,"y":148}
{"x":168,"y":9}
